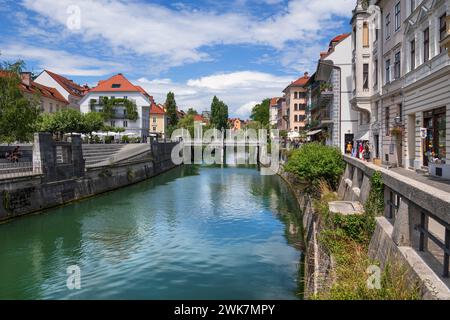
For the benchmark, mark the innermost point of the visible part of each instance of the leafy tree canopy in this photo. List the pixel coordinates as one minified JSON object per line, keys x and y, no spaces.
{"x":219,"y":114}
{"x":261,"y":112}
{"x":171,"y":109}
{"x":18,"y":113}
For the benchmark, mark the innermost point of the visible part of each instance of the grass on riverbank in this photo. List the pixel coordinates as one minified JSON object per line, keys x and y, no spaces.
{"x":347,"y":239}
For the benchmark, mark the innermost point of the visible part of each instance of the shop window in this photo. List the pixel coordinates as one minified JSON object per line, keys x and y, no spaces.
{"x":435,"y":141}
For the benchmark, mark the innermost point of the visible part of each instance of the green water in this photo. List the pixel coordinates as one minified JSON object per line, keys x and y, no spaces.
{"x":191,"y":233}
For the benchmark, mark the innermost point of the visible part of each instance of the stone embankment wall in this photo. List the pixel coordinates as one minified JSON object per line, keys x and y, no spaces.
{"x":319,"y":265}
{"x":54,"y":187}
{"x":410,"y":206}
{"x":396,"y":239}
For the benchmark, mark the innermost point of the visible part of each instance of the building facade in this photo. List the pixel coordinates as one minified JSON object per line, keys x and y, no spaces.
{"x":402,"y":71}
{"x":296,"y":101}
{"x":118,"y":87}
{"x":427,"y":88}
{"x":273,"y":112}
{"x":331,"y":116}
{"x":158,"y":121}
{"x":71,"y":91}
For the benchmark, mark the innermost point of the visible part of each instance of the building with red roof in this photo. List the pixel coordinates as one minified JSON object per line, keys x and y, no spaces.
{"x":158,"y":120}
{"x":50,"y":99}
{"x":71,"y":91}
{"x":295,"y":96}
{"x":120,"y":88}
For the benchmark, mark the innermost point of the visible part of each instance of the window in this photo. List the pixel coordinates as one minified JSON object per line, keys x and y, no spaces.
{"x":295,"y":95}
{"x":295,"y":118}
{"x":388,"y":26}
{"x":412,"y":45}
{"x":426,"y":45}
{"x":442,"y":29}
{"x":397,"y":66}
{"x":125,"y":97}
{"x":435,"y":142}
{"x":154,"y":128}
{"x":398,"y":17}
{"x":365,"y":35}
{"x":412,"y":4}
{"x":125,"y":123}
{"x":388,"y":71}
{"x":115,"y":85}
{"x":154,"y":119}
{"x":386,"y":121}
{"x":296,"y":107}
{"x":113,"y":123}
{"x":366,"y":76}
{"x":375,"y":82}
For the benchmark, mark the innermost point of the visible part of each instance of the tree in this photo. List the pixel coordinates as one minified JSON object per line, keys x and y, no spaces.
{"x":219,"y":114}
{"x":187,"y":123}
{"x":18,"y":114}
{"x":92,"y":121}
{"x":261,"y":112}
{"x":171,"y":109}
{"x":192,"y":111}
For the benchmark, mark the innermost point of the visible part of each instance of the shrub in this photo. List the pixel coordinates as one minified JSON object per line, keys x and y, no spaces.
{"x":313,"y":162}
{"x":125,"y":139}
{"x":375,"y":203}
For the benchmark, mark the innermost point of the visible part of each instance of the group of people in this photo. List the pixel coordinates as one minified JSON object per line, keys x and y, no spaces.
{"x":361,"y":150}
{"x":13,"y":156}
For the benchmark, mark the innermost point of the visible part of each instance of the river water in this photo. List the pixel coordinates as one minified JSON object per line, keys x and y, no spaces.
{"x":191,"y":233}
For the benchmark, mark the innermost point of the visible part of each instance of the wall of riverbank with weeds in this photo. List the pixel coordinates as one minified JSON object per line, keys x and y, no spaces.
{"x":337,"y":261}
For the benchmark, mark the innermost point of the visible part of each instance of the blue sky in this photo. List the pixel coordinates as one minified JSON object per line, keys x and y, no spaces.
{"x":240,"y":50}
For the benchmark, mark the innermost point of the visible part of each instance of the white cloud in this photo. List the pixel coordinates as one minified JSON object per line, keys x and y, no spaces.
{"x":59,"y":61}
{"x":179,"y":36}
{"x":239,"y":90}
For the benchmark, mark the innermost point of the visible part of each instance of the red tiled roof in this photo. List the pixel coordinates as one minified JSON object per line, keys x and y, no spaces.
{"x":156,"y":109}
{"x":198,"y":117}
{"x":36,"y":88}
{"x":300,"y":82}
{"x":340,"y":37}
{"x":274,"y":101}
{"x":117,"y":83}
{"x":67,"y":84}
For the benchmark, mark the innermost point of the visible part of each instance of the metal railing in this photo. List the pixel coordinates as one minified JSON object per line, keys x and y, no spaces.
{"x":19,"y":169}
{"x":426,"y":234}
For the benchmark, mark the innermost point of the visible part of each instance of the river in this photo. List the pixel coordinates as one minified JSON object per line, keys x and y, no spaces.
{"x":194,"y":232}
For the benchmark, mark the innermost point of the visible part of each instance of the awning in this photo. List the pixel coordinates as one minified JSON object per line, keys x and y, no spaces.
{"x":312,"y":133}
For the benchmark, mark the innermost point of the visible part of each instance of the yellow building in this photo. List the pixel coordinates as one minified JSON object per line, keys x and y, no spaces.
{"x":158,"y":120}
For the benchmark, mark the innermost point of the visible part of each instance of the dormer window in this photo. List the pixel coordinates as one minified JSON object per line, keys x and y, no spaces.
{"x":115,"y":85}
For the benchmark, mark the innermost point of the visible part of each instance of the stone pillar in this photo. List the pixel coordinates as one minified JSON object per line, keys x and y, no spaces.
{"x":44,"y":155}
{"x":76,"y":155}
{"x":401,"y":232}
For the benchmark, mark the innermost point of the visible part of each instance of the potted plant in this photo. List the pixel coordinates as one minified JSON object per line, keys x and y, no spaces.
{"x":397,"y":131}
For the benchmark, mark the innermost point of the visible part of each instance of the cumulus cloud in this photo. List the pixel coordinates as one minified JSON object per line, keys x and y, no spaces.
{"x":179,"y":36}
{"x":60,"y":61}
{"x":239,"y":90}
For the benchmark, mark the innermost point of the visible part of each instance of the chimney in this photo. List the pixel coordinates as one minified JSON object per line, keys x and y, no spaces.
{"x":306,"y":74}
{"x":26,"y":78}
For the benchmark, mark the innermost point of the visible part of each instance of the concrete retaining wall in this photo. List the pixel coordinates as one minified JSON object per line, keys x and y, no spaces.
{"x":20,"y":196}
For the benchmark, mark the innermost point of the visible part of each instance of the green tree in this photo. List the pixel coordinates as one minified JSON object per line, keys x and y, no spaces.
{"x":18,"y":114}
{"x":110,"y":106}
{"x":219,"y":114}
{"x":171,"y":109}
{"x":62,"y":122}
{"x":91,"y":121}
{"x":187,"y":123}
{"x":261,"y":112}
{"x":192,"y":111}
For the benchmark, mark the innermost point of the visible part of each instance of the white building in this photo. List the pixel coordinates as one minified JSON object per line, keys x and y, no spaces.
{"x":331,"y":90}
{"x":71,"y":91}
{"x":273,"y":111}
{"x":118,"y":87}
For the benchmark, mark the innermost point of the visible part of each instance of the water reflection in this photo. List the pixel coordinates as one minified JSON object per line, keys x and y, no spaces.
{"x":194,"y":232}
